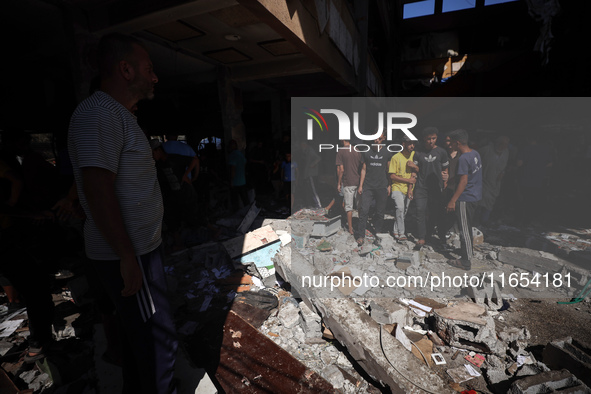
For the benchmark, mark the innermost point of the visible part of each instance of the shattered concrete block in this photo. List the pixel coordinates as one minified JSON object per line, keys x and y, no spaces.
{"x":408,"y":259}
{"x":533,"y":369}
{"x":467,"y":326}
{"x":494,"y":371}
{"x":396,"y":313}
{"x":492,"y":255}
{"x":298,"y":334}
{"x":333,"y":375}
{"x":289,"y":315}
{"x":489,"y":296}
{"x":379,"y":314}
{"x":510,"y":334}
{"x":311,"y":322}
{"x":549,"y":382}
{"x":571,"y":354}
{"x":326,"y":358}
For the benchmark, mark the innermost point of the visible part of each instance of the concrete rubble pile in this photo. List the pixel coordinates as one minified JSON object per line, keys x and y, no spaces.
{"x":406,"y":337}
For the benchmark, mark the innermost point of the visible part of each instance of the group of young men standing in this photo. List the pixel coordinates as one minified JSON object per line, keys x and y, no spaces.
{"x":439,"y":182}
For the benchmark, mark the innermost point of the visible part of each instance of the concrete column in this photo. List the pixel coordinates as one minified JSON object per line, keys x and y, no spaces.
{"x":361,"y":16}
{"x":276,"y":124}
{"x":231,"y":104}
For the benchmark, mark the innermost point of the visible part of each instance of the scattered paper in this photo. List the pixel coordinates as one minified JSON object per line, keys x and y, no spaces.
{"x":471,"y":370}
{"x":8,"y":327}
{"x":422,"y":307}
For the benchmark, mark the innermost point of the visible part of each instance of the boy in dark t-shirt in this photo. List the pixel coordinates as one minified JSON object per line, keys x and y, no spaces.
{"x":373,"y":186}
{"x":433,"y":162}
{"x":468,"y":193}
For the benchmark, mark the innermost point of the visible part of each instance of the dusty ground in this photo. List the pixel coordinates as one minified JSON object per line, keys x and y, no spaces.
{"x":548,"y":321}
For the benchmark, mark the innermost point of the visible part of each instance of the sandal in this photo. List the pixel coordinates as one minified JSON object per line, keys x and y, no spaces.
{"x":402,"y":238}
{"x":33,"y":354}
{"x":460,"y":264}
{"x":360,"y":241}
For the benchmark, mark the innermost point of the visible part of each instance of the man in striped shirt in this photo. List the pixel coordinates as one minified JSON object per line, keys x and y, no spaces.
{"x":116,"y":180}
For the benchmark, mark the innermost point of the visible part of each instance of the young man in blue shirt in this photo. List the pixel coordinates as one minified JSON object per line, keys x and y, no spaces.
{"x":467,"y":195}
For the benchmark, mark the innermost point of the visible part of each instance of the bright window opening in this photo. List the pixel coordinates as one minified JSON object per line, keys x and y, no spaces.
{"x":420,"y":8}
{"x":492,"y":2}
{"x":456,"y":5}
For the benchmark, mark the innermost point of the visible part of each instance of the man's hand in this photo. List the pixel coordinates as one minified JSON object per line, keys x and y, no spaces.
{"x":412,"y":180}
{"x":360,"y":189}
{"x":132,"y":276}
{"x":339,"y":188}
{"x":389,"y":189}
{"x":451,"y":207}
{"x":411,"y":166}
{"x":410,"y":194}
{"x":444,"y":176}
{"x":66,"y":208}
{"x":186,"y":179}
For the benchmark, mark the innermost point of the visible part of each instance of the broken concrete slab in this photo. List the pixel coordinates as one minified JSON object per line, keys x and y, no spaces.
{"x":570,"y":354}
{"x":289,"y":315}
{"x":467,"y":326}
{"x":549,"y":382}
{"x":373,"y":349}
{"x":311,"y":322}
{"x":494,"y":370}
{"x":528,"y":259}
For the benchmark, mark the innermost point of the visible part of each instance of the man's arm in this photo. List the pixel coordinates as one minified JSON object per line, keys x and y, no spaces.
{"x":411,"y":166}
{"x":340,"y":171}
{"x":192,"y":169}
{"x":362,"y":179}
{"x":451,"y":206}
{"x":16,"y":187}
{"x":396,"y":178}
{"x":99,"y":188}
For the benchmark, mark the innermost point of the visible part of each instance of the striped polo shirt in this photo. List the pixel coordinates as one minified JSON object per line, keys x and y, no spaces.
{"x":103,"y":133}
